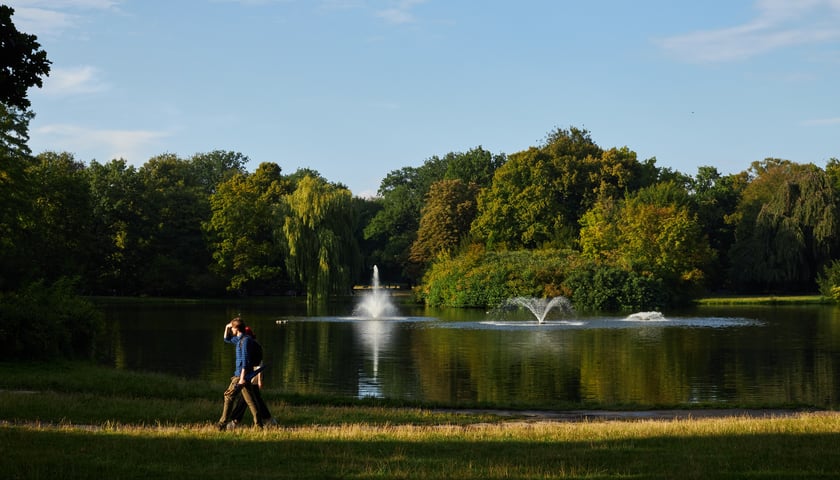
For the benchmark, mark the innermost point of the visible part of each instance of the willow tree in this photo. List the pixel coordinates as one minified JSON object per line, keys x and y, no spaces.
{"x":786,"y":227}
{"x":318,"y":230}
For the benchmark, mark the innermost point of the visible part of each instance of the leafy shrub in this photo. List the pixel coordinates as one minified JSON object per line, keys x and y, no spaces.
{"x":479,"y":278}
{"x":47,"y":322}
{"x":829,"y":280}
{"x":610,"y":289}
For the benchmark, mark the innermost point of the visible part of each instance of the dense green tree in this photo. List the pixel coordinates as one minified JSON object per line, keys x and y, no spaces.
{"x":318,"y":230}
{"x":393,"y":229}
{"x":786,"y":227}
{"x":120,"y":226}
{"x":446,"y":217}
{"x":475,"y":166}
{"x":246,"y":213}
{"x":212,"y":168}
{"x":59,"y":237}
{"x":538,"y":194}
{"x":365,"y":210}
{"x":653,"y":233}
{"x":22,"y":66}
{"x":518,"y":210}
{"x":402,"y":194}
{"x":715,"y":198}
{"x":16,"y":207}
{"x":14,"y":138}
{"x":176,"y":204}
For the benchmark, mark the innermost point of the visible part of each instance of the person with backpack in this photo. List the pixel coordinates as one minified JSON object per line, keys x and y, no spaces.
{"x":240,"y":383}
{"x":239,"y":409}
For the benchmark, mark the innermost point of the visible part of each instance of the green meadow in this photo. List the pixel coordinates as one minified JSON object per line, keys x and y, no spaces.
{"x":75,"y":420}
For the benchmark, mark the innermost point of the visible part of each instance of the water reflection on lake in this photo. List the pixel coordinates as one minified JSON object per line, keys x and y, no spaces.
{"x":758,"y":355}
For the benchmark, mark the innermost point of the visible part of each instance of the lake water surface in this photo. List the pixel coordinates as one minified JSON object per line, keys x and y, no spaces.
{"x":724,"y":356}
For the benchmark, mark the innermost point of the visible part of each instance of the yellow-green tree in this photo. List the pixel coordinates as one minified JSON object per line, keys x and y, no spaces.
{"x":538,"y":195}
{"x":318,"y":230}
{"x":652,"y":232}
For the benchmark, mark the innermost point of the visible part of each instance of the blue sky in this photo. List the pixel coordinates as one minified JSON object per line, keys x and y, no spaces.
{"x":357,"y":88}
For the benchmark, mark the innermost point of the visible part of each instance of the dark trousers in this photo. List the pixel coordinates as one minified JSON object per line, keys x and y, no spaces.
{"x":236,"y":391}
{"x":239,"y":408}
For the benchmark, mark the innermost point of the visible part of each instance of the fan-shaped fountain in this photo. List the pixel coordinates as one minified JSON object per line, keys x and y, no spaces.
{"x":540,"y":307}
{"x":376,"y":303}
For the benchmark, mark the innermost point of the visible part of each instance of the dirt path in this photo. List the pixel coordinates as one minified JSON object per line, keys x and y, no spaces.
{"x":600,"y":415}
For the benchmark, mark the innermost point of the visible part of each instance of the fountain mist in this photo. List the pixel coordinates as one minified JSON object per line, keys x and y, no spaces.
{"x":376,"y":303}
{"x":540,"y":307}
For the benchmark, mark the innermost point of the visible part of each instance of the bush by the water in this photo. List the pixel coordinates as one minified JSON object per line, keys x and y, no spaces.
{"x":829,"y":281}
{"x":484,"y":279}
{"x":481,"y":278}
{"x":41,"y":322}
{"x":610,"y":289}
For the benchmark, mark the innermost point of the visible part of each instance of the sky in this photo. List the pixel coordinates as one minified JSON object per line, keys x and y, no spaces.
{"x":356,"y":89}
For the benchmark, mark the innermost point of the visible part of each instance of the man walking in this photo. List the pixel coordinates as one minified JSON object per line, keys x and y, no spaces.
{"x":240,"y":383}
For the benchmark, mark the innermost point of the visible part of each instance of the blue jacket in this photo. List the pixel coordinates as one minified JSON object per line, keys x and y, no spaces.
{"x":242,"y":343}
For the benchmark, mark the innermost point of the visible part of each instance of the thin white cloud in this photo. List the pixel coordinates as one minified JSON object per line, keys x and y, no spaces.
{"x":132,"y":145}
{"x":53,"y":17}
{"x":341,"y":4}
{"x":778,"y":24}
{"x":254,"y":2}
{"x":822,"y":122}
{"x":400,"y":13}
{"x":73,"y":81}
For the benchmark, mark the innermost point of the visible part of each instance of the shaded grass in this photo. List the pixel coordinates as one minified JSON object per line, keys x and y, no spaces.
{"x":82,"y":393}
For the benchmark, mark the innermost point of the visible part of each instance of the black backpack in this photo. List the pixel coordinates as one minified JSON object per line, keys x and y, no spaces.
{"x":255,"y":353}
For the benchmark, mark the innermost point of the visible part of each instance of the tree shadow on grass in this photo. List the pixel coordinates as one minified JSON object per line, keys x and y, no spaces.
{"x":54,"y":453}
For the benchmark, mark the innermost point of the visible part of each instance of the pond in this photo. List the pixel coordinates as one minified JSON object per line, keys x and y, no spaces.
{"x":719,"y":356}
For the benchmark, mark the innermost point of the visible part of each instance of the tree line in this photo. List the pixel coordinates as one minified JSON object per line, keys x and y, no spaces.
{"x":565,"y":217}
{"x":555,"y":218}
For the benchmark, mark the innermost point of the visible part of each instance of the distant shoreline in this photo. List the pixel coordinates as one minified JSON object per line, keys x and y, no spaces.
{"x":766,"y":300}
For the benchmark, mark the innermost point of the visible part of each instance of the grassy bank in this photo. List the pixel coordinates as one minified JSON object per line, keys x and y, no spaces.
{"x":766,"y":300}
{"x":82,"y":421}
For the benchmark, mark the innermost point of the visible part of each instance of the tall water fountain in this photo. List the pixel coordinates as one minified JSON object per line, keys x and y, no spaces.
{"x":376,"y":303}
{"x":540,"y":307}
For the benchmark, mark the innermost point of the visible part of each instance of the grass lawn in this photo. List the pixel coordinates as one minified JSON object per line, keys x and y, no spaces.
{"x":82,"y":421}
{"x":766,"y":300}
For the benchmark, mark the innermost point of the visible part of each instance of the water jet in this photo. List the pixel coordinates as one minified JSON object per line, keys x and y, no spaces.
{"x":540,"y":307}
{"x":376,"y":303}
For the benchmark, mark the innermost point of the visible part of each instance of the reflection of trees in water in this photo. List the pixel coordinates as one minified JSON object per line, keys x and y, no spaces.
{"x":482,"y":366}
{"x":790,"y":358}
